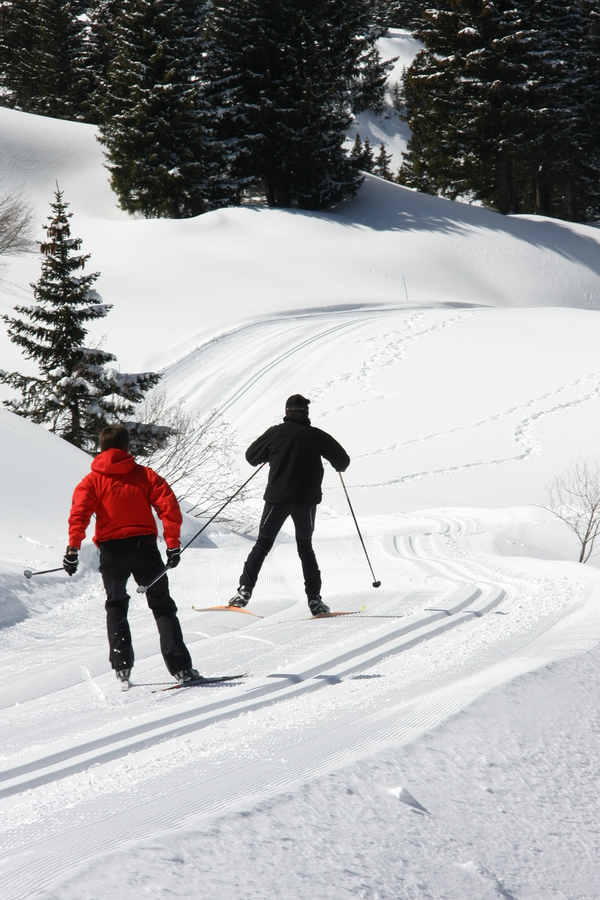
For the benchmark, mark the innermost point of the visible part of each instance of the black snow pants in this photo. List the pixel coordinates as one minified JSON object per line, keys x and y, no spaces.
{"x":273,"y":517}
{"x":139,"y":556}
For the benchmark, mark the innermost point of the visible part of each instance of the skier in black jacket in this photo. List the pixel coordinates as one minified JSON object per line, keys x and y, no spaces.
{"x":293,"y":451}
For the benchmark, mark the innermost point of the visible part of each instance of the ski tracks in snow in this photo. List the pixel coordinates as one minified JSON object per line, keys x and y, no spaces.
{"x":87,"y":770}
{"x":430,"y":645}
{"x":235,"y":370}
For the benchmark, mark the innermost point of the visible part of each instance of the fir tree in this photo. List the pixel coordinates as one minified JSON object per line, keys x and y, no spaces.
{"x":155,"y":127}
{"x":42,"y":57}
{"x":285,"y":78}
{"x":381,"y":166}
{"x":371,"y":72}
{"x":77,"y":391}
{"x":406,"y":14}
{"x":362,"y":154}
{"x":18,"y":79}
{"x":496,"y":103}
{"x":100,"y":52}
{"x":62,"y":83}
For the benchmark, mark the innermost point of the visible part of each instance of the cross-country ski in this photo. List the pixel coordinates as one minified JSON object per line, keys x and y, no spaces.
{"x":198,"y":682}
{"x":227,"y":608}
{"x":332,"y":613}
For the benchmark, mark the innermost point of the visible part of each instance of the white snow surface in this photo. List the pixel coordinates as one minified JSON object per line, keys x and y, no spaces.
{"x":440,"y":743}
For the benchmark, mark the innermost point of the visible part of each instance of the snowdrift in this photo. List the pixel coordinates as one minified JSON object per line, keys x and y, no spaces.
{"x":38,"y":472}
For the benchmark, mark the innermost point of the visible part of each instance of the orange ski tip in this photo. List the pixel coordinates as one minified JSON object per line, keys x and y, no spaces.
{"x":229,"y":608}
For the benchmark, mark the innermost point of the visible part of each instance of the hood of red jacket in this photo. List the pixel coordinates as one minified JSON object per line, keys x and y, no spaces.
{"x":114,"y":462}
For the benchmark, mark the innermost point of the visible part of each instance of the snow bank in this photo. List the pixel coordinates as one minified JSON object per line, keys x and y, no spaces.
{"x":38,"y":472}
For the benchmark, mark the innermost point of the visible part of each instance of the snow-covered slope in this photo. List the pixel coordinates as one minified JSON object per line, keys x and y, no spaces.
{"x":454,"y":353}
{"x":390,"y":246}
{"x":387,"y":127}
{"x":38,"y":472}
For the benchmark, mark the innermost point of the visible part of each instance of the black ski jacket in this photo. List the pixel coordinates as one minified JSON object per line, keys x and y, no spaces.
{"x":293,"y":451}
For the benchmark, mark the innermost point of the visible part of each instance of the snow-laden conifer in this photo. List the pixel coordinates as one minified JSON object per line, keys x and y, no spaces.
{"x":100,"y":51}
{"x":77,"y":391}
{"x":406,"y":13}
{"x":17,"y":36}
{"x":381,"y":165}
{"x":497,"y":105}
{"x":284,"y":79}
{"x":42,"y":58}
{"x":154,"y":125}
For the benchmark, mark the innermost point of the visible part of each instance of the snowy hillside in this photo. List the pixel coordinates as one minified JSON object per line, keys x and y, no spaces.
{"x":401,"y":47}
{"x":38,"y":474}
{"x":390,"y":246}
{"x":442,"y":741}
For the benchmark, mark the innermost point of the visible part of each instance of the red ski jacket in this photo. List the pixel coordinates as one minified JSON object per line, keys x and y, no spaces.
{"x":122,"y":495}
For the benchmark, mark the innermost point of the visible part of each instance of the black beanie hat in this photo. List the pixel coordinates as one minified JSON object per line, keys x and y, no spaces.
{"x":296,"y":403}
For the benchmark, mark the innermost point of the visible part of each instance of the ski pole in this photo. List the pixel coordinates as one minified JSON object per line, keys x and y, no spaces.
{"x":142,"y":588}
{"x":29,"y":574}
{"x":376,"y":583}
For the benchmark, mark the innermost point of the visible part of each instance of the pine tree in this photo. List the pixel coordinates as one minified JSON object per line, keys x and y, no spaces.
{"x":77,"y":391}
{"x":583,"y":180}
{"x":500,"y":105}
{"x":406,"y":13}
{"x":285,"y":78}
{"x":155,"y":127}
{"x":362,"y":154}
{"x":381,"y":166}
{"x":42,"y":57}
{"x":367,"y":160}
{"x":62,"y":84}
{"x":371,"y":72}
{"x":18,"y":80}
{"x":100,"y":50}
{"x":566,"y":150}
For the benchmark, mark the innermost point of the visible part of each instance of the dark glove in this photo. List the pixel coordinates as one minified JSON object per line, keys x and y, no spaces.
{"x":173,"y":557}
{"x":71,"y":560}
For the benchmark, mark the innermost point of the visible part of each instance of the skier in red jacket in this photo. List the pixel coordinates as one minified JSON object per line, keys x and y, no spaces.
{"x":122,"y":494}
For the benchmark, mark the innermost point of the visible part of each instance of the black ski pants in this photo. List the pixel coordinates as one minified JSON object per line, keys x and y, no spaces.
{"x":273,"y":517}
{"x":139,"y":556}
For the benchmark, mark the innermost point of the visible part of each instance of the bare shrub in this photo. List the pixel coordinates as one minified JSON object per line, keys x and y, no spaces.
{"x":16,"y":226}
{"x":574,"y":498}
{"x":198,"y":458}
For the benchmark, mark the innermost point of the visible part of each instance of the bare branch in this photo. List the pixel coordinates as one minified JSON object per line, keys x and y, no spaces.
{"x":16,"y":226}
{"x":574,"y":498}
{"x":197,"y":459}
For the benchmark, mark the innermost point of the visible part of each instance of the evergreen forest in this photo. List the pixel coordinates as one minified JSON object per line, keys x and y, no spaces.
{"x":202,"y":104}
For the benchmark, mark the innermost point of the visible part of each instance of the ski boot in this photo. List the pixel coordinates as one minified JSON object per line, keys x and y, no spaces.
{"x":242,"y":597}
{"x":316,"y":606}
{"x":123,"y":675}
{"x":187,"y":675}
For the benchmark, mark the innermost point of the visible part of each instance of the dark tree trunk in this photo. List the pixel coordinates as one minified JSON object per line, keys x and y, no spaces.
{"x":269,"y":191}
{"x":541,"y":191}
{"x":513,"y":186}
{"x":503,"y":184}
{"x":571,"y":198}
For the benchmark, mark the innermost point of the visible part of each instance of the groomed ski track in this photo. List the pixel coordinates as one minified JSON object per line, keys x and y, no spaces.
{"x":88,"y":770}
{"x":325,"y":692}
